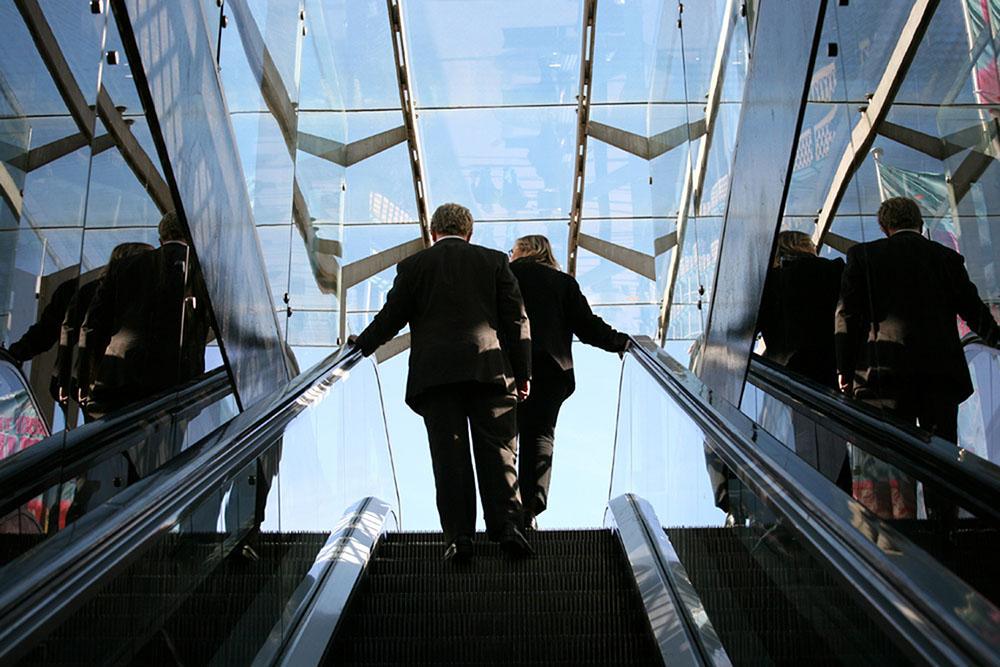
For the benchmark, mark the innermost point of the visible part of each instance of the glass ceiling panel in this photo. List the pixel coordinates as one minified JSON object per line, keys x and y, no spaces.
{"x":117,"y":79}
{"x":27,"y":89}
{"x":275,"y":243}
{"x":267,"y":166}
{"x":702,"y":25}
{"x":494,"y":52}
{"x":637,"y":319}
{"x":634,"y":39}
{"x":277,"y":24}
{"x":55,"y":194}
{"x":47,"y":250}
{"x":502,"y":163}
{"x":361,"y":241}
{"x":501,"y":235}
{"x":687,"y":322}
{"x":313,"y":328}
{"x":117,"y":198}
{"x":697,"y":266}
{"x":98,"y":243}
{"x":379,"y":188}
{"x":347,"y":56}
{"x":866,"y":33}
{"x":78,"y":34}
{"x":370,"y":295}
{"x":303,"y":291}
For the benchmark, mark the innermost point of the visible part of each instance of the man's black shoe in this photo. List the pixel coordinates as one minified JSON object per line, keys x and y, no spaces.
{"x":514,"y":544}
{"x":460,"y":550}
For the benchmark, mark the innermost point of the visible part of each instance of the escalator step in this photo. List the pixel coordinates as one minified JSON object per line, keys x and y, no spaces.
{"x":575,"y":603}
{"x":770,"y":601}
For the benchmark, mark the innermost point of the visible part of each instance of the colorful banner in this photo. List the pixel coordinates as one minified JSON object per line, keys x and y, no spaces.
{"x":984,"y":22}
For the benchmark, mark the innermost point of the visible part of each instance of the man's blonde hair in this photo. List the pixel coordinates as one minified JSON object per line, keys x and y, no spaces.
{"x":538,"y":249}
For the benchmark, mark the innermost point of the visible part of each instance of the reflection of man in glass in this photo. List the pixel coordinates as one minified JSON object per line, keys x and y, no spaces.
{"x":77,"y":310}
{"x":146,"y":328}
{"x":897,"y":336}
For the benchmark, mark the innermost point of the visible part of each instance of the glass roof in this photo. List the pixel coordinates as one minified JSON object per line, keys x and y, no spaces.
{"x":495,"y":88}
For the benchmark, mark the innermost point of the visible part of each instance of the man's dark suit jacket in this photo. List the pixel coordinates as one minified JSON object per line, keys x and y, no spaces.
{"x":466,"y":317}
{"x":796,"y":315}
{"x":131,"y":341}
{"x":558,"y":310}
{"x":896,"y":326}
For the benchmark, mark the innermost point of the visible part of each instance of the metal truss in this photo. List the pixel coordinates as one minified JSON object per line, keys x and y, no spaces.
{"x":406,"y":101}
{"x":582,"y":122}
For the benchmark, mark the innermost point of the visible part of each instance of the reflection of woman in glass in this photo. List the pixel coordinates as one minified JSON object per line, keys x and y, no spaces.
{"x":557,"y":310}
{"x":796,"y":322}
{"x":796,"y":312}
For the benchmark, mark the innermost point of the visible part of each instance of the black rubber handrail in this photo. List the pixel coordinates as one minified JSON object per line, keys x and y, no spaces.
{"x":66,"y":570}
{"x":933,"y":613}
{"x":970,"y":481}
{"x":66,"y":454}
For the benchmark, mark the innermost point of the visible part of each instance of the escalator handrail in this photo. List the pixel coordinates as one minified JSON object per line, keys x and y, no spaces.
{"x":66,"y":454}
{"x":44,"y":586}
{"x":971,"y":480}
{"x":915,"y":596}
{"x":681,"y":629}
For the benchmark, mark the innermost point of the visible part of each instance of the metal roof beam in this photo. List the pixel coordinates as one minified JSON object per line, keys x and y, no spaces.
{"x":633,"y":260}
{"x":872,"y":117}
{"x":406,"y":101}
{"x":582,"y":122}
{"x":363,"y":269}
{"x":349,"y":154}
{"x":647,"y":148}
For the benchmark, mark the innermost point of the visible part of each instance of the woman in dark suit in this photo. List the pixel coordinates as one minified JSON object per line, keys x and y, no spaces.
{"x":797,"y":323}
{"x":797,"y":309}
{"x":557,"y":311}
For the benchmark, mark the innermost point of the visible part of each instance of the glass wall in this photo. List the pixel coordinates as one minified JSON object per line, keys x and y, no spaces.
{"x":102,"y":305}
{"x":301,"y":126}
{"x":937,"y":143}
{"x":700,"y":66}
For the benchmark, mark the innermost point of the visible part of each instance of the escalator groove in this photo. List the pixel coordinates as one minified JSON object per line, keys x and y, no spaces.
{"x":772,"y":603}
{"x":576,"y":603}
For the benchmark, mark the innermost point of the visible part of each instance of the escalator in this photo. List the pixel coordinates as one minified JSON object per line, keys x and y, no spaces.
{"x":797,"y":409}
{"x":575,"y":604}
{"x":239,"y":551}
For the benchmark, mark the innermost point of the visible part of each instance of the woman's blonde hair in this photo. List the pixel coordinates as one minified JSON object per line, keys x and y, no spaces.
{"x":793,"y":244}
{"x":537,"y":248}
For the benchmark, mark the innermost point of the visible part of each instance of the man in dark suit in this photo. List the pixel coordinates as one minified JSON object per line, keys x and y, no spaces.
{"x":897,"y":337}
{"x":470,"y":361}
{"x":147,"y":325}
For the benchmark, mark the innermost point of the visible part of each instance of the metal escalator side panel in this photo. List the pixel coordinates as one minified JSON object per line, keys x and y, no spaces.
{"x":930,"y":611}
{"x":682,"y":629}
{"x":312,"y":615}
